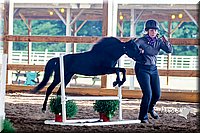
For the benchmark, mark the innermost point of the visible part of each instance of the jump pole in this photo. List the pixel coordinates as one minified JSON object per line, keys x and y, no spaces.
{"x":120,"y":102}
{"x":63,"y":99}
{"x":87,"y":122}
{"x":3,"y":89}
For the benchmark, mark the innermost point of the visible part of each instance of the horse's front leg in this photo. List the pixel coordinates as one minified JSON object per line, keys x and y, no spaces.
{"x":118,"y":81}
{"x":117,"y":71}
{"x":123,"y":70}
{"x":117,"y":78}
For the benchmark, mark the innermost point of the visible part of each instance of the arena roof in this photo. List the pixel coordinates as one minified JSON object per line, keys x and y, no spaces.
{"x":92,"y":9}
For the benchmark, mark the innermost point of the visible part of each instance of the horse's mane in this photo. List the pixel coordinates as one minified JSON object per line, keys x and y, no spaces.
{"x":105,"y":42}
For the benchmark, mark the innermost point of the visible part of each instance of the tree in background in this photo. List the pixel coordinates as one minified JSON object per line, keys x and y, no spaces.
{"x":94,"y":28}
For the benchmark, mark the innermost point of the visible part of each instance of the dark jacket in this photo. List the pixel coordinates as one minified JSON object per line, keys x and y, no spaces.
{"x":151,"y":51}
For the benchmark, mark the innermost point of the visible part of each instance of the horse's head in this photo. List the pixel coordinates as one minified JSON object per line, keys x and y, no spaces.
{"x":131,"y":49}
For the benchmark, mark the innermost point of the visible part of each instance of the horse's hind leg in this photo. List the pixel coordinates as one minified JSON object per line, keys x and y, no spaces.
{"x":67,"y":80}
{"x":55,"y":82}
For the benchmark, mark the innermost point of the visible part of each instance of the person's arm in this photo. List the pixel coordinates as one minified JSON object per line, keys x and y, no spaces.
{"x":138,"y":43}
{"x":165,"y":45}
{"x":148,"y":50}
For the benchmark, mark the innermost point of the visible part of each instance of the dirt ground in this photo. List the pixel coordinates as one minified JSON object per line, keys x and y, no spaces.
{"x":24,"y":111}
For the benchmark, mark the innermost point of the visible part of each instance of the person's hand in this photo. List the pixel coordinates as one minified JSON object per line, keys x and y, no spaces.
{"x":141,"y":50}
{"x":164,"y":38}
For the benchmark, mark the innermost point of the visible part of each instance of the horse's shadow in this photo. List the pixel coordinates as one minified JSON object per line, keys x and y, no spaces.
{"x":100,"y":60}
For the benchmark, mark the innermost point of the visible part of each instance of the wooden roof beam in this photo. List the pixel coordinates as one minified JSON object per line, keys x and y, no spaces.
{"x":191,"y":17}
{"x":24,"y":20}
{"x":120,"y":27}
{"x":173,"y":29}
{"x":176,"y":27}
{"x":139,"y":16}
{"x":76,"y":17}
{"x":80,"y":26}
{"x":15,"y":11}
{"x":59,"y":15}
{"x":164,"y":28}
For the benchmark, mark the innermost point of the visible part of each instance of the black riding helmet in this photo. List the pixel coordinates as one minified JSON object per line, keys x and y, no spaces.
{"x":151,"y":24}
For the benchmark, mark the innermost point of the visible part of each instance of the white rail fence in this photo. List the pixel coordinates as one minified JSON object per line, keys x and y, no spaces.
{"x":176,"y":62}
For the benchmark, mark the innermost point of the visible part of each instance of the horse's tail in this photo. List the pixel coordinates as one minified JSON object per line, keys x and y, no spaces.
{"x":48,"y":71}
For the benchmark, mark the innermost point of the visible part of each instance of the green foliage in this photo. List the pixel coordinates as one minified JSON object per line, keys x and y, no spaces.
{"x":185,"y":50}
{"x":186,"y":30}
{"x":56,"y":107}
{"x":83,"y":47}
{"x":94,"y":28}
{"x":19,"y":28}
{"x":8,"y":127}
{"x":48,"y":28}
{"x":106,"y":106}
{"x":91,"y":28}
{"x":52,"y":47}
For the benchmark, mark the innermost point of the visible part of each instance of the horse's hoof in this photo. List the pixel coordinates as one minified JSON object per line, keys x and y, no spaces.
{"x":43,"y":110}
{"x":114,"y":84}
{"x":120,"y":84}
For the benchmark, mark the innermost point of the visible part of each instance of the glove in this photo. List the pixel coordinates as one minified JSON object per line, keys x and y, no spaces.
{"x":141,"y":51}
{"x":164,"y":38}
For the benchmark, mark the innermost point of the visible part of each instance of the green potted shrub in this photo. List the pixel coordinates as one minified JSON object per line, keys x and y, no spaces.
{"x":56,"y":108}
{"x":106,"y":108}
{"x":8,"y":126}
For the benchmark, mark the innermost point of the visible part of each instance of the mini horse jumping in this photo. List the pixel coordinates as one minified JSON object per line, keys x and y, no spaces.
{"x":100,"y":60}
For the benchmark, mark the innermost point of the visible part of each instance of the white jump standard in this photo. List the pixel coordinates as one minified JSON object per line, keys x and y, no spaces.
{"x":87,"y":122}
{"x":3,"y":67}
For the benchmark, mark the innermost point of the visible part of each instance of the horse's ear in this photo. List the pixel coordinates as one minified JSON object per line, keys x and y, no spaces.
{"x":133,"y":40}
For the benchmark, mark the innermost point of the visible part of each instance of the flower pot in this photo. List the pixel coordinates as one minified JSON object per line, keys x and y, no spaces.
{"x":58,"y":118}
{"x":104,"y":117}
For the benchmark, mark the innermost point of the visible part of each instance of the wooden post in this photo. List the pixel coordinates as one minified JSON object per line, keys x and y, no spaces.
{"x":6,"y":25}
{"x":105,"y":18}
{"x":6,"y":31}
{"x":104,"y":33}
{"x":168,"y":56}
{"x":29,"y":43}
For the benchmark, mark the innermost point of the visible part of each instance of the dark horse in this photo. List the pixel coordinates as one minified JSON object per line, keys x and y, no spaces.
{"x":100,"y":60}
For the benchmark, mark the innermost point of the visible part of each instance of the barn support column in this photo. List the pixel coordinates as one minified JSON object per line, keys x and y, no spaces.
{"x":132,"y":34}
{"x":112,"y":31}
{"x":191,"y":17}
{"x":105,"y":32}
{"x":68,"y":30}
{"x":8,"y":30}
{"x":28,"y":25}
{"x":134,"y":21}
{"x":169,"y":55}
{"x":29,"y":43}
